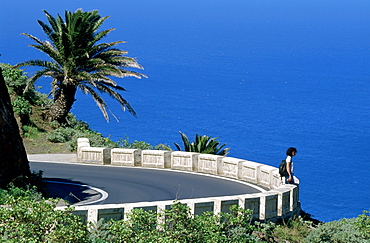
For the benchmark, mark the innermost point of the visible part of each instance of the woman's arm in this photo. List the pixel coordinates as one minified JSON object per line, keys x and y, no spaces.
{"x":288,"y":169}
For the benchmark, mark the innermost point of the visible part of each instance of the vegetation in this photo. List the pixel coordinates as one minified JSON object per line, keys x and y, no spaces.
{"x":22,"y":99}
{"x":28,"y":217}
{"x":125,"y":143}
{"x":42,"y":136}
{"x":342,"y":231}
{"x":203,"y":144}
{"x":80,"y":61}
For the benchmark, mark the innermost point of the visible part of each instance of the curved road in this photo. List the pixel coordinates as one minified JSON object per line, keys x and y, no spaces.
{"x":133,"y":184}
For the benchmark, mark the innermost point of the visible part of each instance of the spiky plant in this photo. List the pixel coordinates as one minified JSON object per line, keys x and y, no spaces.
{"x":202,"y":144}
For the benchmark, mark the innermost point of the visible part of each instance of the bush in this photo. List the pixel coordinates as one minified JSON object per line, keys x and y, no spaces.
{"x":21,"y":106}
{"x":15,"y":79}
{"x":18,"y":192}
{"x":77,"y":129}
{"x":30,"y":132}
{"x":363,"y":224}
{"x":293,"y":230}
{"x":341,"y":231}
{"x":30,"y":219}
{"x":60,"y":135}
{"x":140,"y":227}
{"x":125,"y":143}
{"x":179,"y":226}
{"x":17,"y":83}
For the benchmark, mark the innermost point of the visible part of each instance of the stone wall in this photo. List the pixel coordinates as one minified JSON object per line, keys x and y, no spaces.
{"x":277,"y":201}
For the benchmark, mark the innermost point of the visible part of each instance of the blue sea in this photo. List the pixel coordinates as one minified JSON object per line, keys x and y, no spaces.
{"x":260,"y":75}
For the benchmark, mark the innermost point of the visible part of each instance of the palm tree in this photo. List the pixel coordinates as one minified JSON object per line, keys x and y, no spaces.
{"x":80,"y":61}
{"x":203,"y":144}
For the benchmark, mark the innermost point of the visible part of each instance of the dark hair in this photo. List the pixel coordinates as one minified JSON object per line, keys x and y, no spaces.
{"x":290,"y":151}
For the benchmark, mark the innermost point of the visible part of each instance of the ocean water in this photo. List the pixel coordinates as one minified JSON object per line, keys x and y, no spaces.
{"x":260,"y":75}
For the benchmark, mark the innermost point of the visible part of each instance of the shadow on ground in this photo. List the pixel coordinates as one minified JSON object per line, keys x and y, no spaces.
{"x":73,"y":192}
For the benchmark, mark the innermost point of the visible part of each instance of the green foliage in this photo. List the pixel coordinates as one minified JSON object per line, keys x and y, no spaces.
{"x":22,"y":94}
{"x":125,"y":143}
{"x":18,"y":192}
{"x":341,"y":231}
{"x":61,"y":135}
{"x":293,"y":230}
{"x":32,"y":183}
{"x":203,"y":144}
{"x":362,"y":223}
{"x":17,"y":82}
{"x":162,"y":146}
{"x":42,"y":100}
{"x":178,"y":226}
{"x":140,"y":227}
{"x":29,"y":219}
{"x":77,"y":129}
{"x":30,"y":132}
{"x":21,"y":106}
{"x":237,"y":225}
{"x":15,"y":79}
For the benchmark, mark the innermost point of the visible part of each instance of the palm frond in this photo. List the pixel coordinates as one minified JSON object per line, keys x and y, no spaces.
{"x":98,"y":100}
{"x":115,"y":95}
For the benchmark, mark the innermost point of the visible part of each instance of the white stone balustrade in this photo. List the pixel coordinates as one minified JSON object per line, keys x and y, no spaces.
{"x":265,"y":176}
{"x":93,"y":155}
{"x":232,"y":167}
{"x":126,"y":157}
{"x":184,"y":161}
{"x":280,"y":201}
{"x":250,"y":171}
{"x":156,"y":158}
{"x":210,"y":164}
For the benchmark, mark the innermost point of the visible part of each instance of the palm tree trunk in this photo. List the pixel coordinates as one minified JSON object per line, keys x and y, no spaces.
{"x":63,"y":102}
{"x":13,"y":156}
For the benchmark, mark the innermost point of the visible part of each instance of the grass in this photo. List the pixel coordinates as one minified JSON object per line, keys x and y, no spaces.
{"x":34,"y":136}
{"x":41,"y":145}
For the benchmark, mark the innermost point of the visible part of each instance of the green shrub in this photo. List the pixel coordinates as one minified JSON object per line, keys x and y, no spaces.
{"x":140,"y":227}
{"x":30,"y":132}
{"x":161,"y":146}
{"x":17,"y":192}
{"x":292,"y":230}
{"x":42,"y":99}
{"x":179,"y":226}
{"x":341,"y":231}
{"x":17,"y":83}
{"x":21,"y":106}
{"x":15,"y":79}
{"x":78,"y":129}
{"x":29,"y":219}
{"x":125,"y":143}
{"x":61,"y":135}
{"x":96,"y":140}
{"x":362,"y":223}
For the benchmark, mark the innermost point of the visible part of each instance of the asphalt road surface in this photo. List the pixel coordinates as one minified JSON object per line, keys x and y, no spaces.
{"x":128,"y":184}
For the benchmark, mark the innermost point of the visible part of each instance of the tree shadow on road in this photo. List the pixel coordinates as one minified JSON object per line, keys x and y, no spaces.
{"x":73,"y":192}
